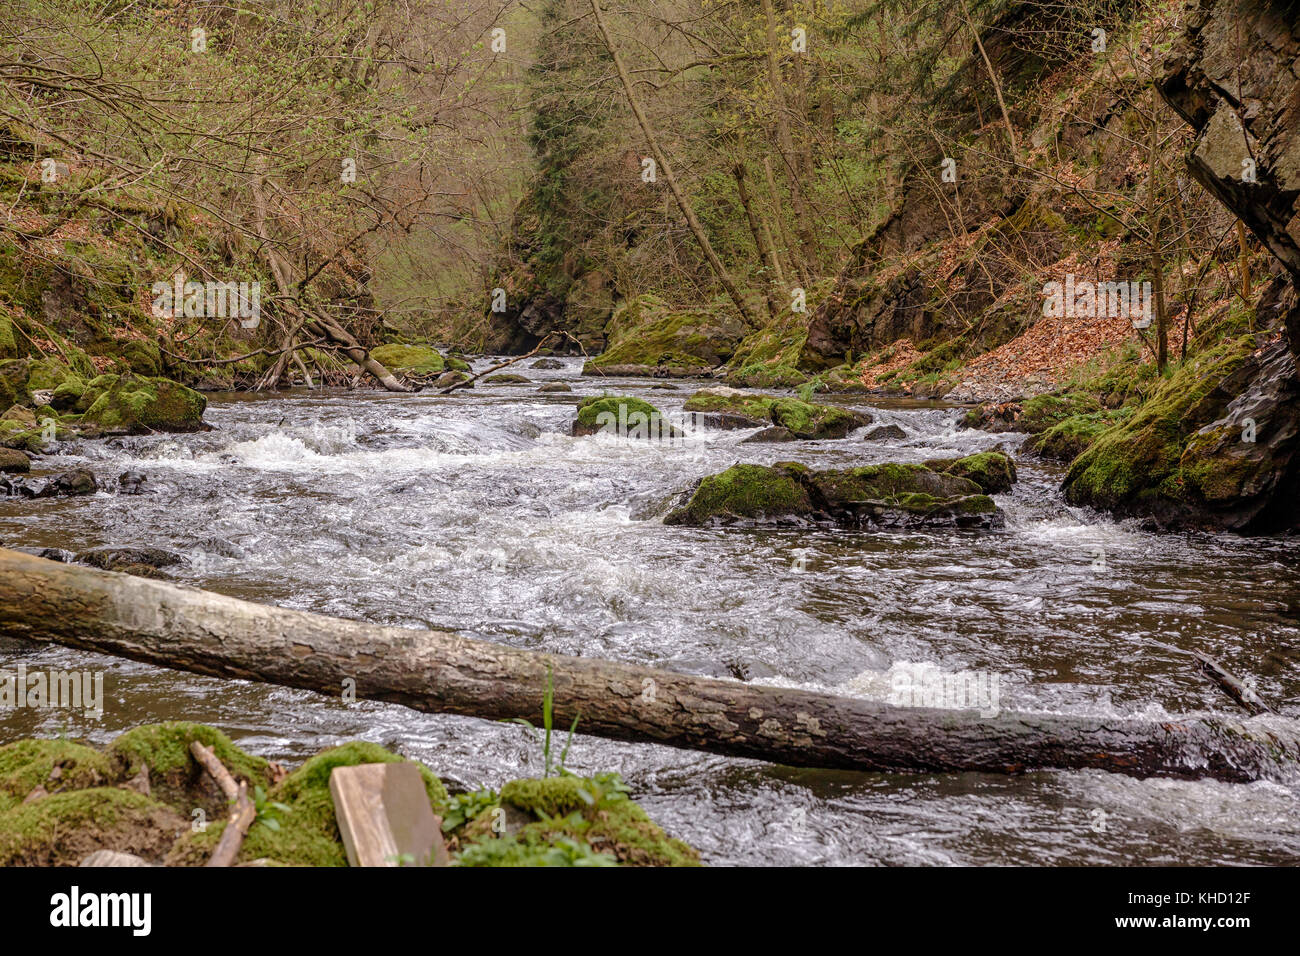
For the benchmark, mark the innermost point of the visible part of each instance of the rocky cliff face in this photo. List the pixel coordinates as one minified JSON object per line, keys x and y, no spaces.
{"x":1217,"y":446}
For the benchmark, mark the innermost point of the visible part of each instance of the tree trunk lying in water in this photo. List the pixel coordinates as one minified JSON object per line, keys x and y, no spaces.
{"x":439,"y":672}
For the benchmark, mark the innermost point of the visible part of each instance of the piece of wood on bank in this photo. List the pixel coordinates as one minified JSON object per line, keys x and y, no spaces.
{"x":184,"y":628}
{"x":384,"y":816}
{"x":242,"y":813}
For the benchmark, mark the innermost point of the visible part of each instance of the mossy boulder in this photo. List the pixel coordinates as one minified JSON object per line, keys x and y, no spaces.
{"x":62,"y":828}
{"x":732,"y":408}
{"x":888,"y":496}
{"x":74,"y":395}
{"x":648,"y":337}
{"x":507,"y":378}
{"x":14,"y":461}
{"x":769,"y":357}
{"x":135,"y":404}
{"x":307,"y":833}
{"x":993,"y":471}
{"x":1071,"y":437}
{"x":749,"y":494}
{"x":622,"y":415}
{"x":1214,"y":446}
{"x":410,"y":359}
{"x":13,"y":382}
{"x":573,"y":821}
{"x":142,"y":358}
{"x":8,"y":343}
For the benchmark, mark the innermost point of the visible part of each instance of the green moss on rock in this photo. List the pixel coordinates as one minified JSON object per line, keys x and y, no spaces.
{"x":1138,"y":465}
{"x":412,"y":359}
{"x":993,"y":471}
{"x":621,"y":414}
{"x":881,"y":496}
{"x":648,"y":337}
{"x":134,"y":404}
{"x":744,"y":493}
{"x":805,"y":420}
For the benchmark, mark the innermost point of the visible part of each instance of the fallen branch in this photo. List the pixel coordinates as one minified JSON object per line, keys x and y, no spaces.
{"x":243,"y":813}
{"x":438,"y":672}
{"x":496,"y":368}
{"x":1233,"y":686}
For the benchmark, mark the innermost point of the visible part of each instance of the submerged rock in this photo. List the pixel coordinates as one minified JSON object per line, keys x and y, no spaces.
{"x":885,"y":433}
{"x":887,"y":496}
{"x":79,"y":481}
{"x":555,"y":387}
{"x":732,"y":408}
{"x":142,"y":562}
{"x":773,"y":433}
{"x":131,"y":483}
{"x":506,"y":378}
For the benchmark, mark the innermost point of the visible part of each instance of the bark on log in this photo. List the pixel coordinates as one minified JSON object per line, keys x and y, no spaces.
{"x":439,"y":672}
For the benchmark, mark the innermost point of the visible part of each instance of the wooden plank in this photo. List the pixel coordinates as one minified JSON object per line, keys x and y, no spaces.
{"x":384,"y":816}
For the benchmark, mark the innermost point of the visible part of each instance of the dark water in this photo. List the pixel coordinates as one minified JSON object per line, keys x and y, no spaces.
{"x":477,"y":512}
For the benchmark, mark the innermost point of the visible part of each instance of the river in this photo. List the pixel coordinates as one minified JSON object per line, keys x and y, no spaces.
{"x":478,"y":512}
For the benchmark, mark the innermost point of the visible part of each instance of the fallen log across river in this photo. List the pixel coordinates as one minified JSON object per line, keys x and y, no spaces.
{"x":188,"y":629}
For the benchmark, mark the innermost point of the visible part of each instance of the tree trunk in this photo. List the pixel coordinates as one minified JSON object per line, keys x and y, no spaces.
{"x":438,"y":672}
{"x":692,"y":221}
{"x":762,"y":242}
{"x":792,"y":266}
{"x":785,"y":141}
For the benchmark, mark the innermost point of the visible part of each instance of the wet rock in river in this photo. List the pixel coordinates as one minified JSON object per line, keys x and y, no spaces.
{"x":14,"y":461}
{"x":79,"y":481}
{"x":733,"y":408}
{"x":547,"y":363}
{"x":131,"y":483}
{"x":142,"y":561}
{"x":890,"y":496}
{"x":555,"y":387}
{"x":448,"y":379}
{"x":885,"y":433}
{"x":622,"y":415}
{"x":773,"y":433}
{"x":993,"y":471}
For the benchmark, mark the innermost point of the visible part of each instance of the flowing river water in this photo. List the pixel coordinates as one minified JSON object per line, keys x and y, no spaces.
{"x":477,"y":512}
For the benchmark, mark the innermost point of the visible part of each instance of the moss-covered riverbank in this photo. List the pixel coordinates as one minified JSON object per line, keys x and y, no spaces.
{"x":146,"y":795}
